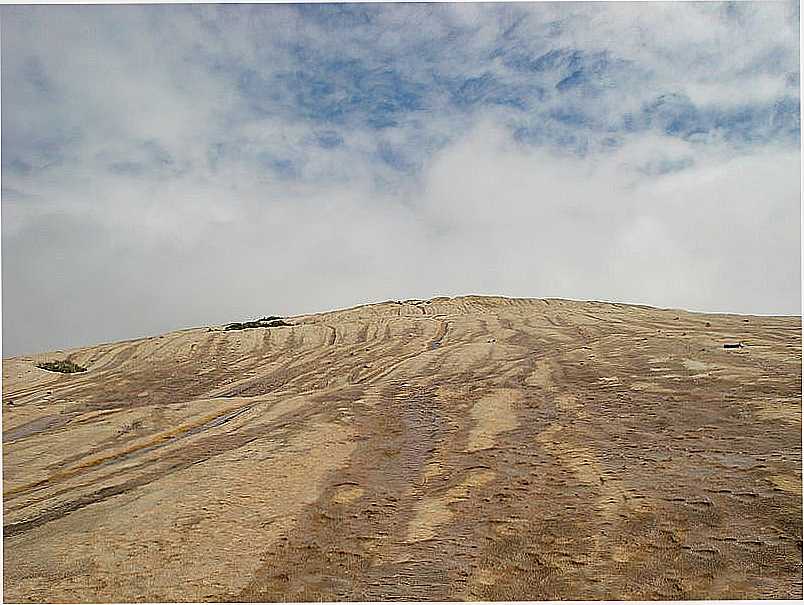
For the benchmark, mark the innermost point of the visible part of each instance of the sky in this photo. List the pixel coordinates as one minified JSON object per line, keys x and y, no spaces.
{"x":169,"y":166}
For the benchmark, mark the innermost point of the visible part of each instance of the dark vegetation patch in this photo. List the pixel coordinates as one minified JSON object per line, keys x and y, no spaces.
{"x":272,"y":321}
{"x":65,"y":366}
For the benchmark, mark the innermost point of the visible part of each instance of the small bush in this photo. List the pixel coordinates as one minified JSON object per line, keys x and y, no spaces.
{"x":65,"y":366}
{"x":272,"y":321}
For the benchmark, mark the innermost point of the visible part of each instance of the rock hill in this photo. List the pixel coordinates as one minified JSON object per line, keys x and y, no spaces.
{"x":472,"y":448}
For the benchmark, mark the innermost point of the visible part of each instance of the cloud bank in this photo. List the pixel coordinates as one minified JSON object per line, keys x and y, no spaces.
{"x":169,"y":166}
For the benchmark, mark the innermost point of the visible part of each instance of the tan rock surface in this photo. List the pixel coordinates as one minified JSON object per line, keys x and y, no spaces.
{"x":474,"y":448}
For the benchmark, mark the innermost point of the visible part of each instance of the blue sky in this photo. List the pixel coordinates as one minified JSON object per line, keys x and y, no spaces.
{"x":175,"y":165}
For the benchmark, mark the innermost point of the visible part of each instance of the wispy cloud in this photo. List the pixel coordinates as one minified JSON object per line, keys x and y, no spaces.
{"x":175,"y":165}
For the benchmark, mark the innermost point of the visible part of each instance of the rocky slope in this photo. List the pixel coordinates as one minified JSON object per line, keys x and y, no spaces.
{"x":472,"y":448}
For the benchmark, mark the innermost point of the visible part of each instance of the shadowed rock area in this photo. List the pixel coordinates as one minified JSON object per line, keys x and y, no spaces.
{"x":475,"y":448}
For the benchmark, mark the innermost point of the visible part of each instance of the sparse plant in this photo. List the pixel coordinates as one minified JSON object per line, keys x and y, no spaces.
{"x":65,"y":366}
{"x":272,"y":321}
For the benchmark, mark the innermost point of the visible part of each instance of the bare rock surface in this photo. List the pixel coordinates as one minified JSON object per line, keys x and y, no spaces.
{"x":475,"y":448}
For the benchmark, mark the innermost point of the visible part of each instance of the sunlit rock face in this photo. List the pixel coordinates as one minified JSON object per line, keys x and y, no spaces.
{"x":472,"y":448}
